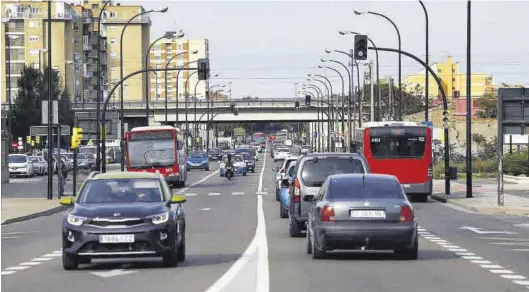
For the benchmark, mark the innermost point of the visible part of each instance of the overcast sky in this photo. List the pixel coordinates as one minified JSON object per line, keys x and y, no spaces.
{"x":264,"y":47}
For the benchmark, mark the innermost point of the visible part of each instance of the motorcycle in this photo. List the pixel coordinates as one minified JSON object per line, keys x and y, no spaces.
{"x":229,"y":172}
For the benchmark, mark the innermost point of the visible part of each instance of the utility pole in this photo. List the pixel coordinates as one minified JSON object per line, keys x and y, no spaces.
{"x":371,"y":79}
{"x":469,"y":105}
{"x":50,"y":113}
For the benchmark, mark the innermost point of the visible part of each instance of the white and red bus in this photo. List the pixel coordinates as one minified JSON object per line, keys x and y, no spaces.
{"x":402,"y":149}
{"x":261,"y":138}
{"x":157,"y":149}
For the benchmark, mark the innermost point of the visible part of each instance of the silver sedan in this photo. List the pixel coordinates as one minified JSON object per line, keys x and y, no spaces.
{"x":361,"y":212}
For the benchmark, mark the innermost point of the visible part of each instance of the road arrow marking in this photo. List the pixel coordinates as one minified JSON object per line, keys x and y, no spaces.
{"x":114,"y":272}
{"x":481,"y":231}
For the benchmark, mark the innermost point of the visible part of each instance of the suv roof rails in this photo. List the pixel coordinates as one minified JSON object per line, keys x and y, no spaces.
{"x":92,"y":174}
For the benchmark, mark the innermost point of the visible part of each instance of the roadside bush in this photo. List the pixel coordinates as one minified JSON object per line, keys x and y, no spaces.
{"x":516,"y":164}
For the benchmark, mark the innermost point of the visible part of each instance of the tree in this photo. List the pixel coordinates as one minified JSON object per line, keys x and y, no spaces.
{"x":488,"y":106}
{"x":32,"y":89}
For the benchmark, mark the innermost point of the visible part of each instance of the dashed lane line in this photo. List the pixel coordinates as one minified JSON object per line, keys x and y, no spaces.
{"x":475,"y":259}
{"x":34,"y":262}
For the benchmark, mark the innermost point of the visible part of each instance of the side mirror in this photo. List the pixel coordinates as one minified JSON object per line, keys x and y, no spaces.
{"x":66,"y":202}
{"x":309,"y":198}
{"x":177,"y":199}
{"x":285,"y":183}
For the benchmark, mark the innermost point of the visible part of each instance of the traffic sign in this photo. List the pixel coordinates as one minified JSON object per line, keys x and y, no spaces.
{"x":43,"y":130}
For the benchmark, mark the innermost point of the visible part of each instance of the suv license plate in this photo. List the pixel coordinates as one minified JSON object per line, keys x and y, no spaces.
{"x":116,"y":238}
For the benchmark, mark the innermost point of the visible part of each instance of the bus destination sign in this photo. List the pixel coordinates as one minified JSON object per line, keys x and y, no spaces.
{"x":150,"y":135}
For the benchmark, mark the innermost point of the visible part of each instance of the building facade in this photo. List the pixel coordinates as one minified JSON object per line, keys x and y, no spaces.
{"x":453,"y":81}
{"x":177,"y":53}
{"x":75,"y":45}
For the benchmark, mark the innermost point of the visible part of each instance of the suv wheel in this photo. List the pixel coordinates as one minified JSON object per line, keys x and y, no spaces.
{"x":69,"y":262}
{"x":294,"y":228}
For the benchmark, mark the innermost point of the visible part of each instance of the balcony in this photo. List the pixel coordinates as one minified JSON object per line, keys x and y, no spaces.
{"x":144,"y":19}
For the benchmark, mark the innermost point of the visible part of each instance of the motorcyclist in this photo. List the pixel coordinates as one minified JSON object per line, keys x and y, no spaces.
{"x":229,"y":161}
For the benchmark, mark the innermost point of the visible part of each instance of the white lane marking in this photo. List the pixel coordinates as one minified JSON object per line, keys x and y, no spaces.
{"x":52,"y":255}
{"x":457,"y":208}
{"x":58,"y":251}
{"x":5,"y":273}
{"x":11,"y":237}
{"x":501,"y":271}
{"x":263,"y":276}
{"x":227,"y":278}
{"x":41,"y":259}
{"x":18,"y":232}
{"x":30,"y":263}
{"x":198,"y":182}
{"x":510,"y":243}
{"x":204,"y":209}
{"x":190,"y":195}
{"x":214,"y":194}
{"x":520,"y":249}
{"x":17,"y":268}
{"x":237,"y":193}
{"x":483,"y":263}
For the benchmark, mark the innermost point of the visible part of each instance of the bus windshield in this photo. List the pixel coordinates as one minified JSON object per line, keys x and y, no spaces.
{"x":146,"y":153}
{"x":401,"y":142}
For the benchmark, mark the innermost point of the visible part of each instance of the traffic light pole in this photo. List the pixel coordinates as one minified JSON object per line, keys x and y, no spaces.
{"x":74,"y":175}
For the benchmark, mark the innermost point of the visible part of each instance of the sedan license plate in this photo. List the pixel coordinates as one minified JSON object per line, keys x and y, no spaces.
{"x":116,"y":238}
{"x":368,"y":214}
{"x":405,"y":185}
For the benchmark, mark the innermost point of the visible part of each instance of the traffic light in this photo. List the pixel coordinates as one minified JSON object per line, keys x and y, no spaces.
{"x":203,"y":69}
{"x":104,"y":132}
{"x":307,"y":100}
{"x":77,"y":135}
{"x":360,"y":52}
{"x":37,"y":140}
{"x":445,"y":120}
{"x":236,"y":112}
{"x":296,"y":104}
{"x":28,"y":139}
{"x":232,"y":108}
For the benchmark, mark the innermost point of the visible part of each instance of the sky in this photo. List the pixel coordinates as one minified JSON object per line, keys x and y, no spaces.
{"x":265,"y":47}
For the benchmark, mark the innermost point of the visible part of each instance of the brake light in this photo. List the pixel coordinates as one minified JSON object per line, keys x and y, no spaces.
{"x":430,"y":171}
{"x":327,"y":214}
{"x":297,"y":198}
{"x":406,"y":214}
{"x":283,"y":170}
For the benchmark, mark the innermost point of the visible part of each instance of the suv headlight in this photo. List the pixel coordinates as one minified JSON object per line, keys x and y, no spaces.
{"x":76,"y":220}
{"x":159,"y":218}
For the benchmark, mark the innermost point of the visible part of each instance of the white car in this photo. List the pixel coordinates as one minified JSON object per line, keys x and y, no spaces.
{"x":282,"y":153}
{"x":20,"y":165}
{"x":39,"y":164}
{"x":281,"y":172}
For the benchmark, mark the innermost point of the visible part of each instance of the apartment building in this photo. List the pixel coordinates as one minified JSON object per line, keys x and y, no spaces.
{"x":177,"y":53}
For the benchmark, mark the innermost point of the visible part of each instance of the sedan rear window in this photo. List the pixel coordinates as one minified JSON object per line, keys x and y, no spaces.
{"x":316,"y":171}
{"x":121,"y":191}
{"x":283,"y":150}
{"x":357,"y":188}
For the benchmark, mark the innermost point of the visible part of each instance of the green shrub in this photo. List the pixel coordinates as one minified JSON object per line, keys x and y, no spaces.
{"x":516,"y":164}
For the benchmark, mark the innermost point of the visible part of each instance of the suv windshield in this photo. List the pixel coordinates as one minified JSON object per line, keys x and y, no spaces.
{"x":17,"y":159}
{"x":108,"y":191}
{"x":316,"y":171}
{"x":355,"y":188}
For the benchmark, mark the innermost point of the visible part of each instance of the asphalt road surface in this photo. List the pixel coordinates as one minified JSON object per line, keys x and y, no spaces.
{"x":236,"y":241}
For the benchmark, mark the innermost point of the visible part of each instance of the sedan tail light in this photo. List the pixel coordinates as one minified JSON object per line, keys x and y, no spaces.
{"x":297,"y":198}
{"x":327,"y":214}
{"x":283,"y":170}
{"x":406,"y":214}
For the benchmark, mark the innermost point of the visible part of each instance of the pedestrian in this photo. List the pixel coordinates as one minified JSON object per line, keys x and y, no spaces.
{"x":62,"y":175}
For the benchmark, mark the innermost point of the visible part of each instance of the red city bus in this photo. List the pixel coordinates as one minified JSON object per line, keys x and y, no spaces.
{"x":402,"y":149}
{"x":261,"y":138}
{"x":157,"y":149}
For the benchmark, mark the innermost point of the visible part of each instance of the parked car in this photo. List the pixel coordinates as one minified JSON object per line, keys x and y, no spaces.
{"x":20,"y":165}
{"x":311,"y":172}
{"x":39,"y":165}
{"x":197,"y":161}
{"x":361,"y":211}
{"x":286,"y":188}
{"x":281,"y":171}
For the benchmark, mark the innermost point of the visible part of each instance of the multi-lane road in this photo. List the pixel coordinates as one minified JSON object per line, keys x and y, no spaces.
{"x":237,"y":242}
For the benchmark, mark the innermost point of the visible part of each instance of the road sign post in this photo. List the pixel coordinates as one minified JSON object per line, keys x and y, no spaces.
{"x":513,"y":118}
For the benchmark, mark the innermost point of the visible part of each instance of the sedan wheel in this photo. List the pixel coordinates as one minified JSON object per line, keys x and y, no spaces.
{"x":308,"y":248}
{"x":182,"y":248}
{"x":316,"y":252}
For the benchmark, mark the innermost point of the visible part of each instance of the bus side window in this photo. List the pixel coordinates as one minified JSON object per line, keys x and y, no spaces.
{"x":179,"y":145}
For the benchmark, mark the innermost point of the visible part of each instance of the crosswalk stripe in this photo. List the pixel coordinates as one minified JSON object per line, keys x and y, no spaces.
{"x":237,"y":193}
{"x":17,"y":268}
{"x":190,"y":195}
{"x":214,"y":194}
{"x":3,"y":273}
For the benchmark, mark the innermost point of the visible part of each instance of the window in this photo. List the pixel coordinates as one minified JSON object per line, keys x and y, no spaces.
{"x":95,"y":6}
{"x":112,"y":41}
{"x":158,"y":46}
{"x":113,"y":55}
{"x":114,"y":68}
{"x":364,"y":188}
{"x":180,"y":47}
{"x":158,"y":66}
{"x":404,"y":142}
{"x":439,"y":71}
{"x":113,"y":14}
{"x":112,"y":27}
{"x":157,"y":57}
{"x":33,"y":38}
{"x":316,"y":171}
{"x":33,"y":24}
{"x":33,"y":52}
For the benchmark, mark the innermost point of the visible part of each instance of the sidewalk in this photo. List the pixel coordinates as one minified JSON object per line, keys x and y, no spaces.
{"x":22,"y":209}
{"x":485,"y":199}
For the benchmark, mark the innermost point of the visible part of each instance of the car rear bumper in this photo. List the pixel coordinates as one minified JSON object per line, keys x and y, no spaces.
{"x":373,"y":236}
{"x":420,"y":188}
{"x":147,"y":242}
{"x":203,"y":166}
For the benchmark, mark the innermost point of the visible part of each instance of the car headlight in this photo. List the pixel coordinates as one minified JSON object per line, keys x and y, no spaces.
{"x":76,"y":220}
{"x":159,"y":218}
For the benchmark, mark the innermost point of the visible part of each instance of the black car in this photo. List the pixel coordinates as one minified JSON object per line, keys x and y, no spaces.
{"x":250,"y":161}
{"x":123,"y":214}
{"x":215,"y":154}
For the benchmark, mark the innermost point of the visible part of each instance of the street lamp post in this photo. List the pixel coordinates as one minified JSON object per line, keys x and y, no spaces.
{"x":8,"y":75}
{"x":121,"y":111}
{"x":167,"y":35}
{"x":330,"y":106}
{"x":186,"y":96}
{"x":343,"y":92}
{"x":166,"y":66}
{"x":98,"y":102}
{"x":400,"y":55}
{"x":177,"y":86}
{"x":208,"y":101}
{"x":328,"y":110}
{"x":319,"y":97}
{"x":427,"y":61}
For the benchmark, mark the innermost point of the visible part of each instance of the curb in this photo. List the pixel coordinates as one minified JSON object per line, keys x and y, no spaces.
{"x":35,"y":215}
{"x":486,"y":210}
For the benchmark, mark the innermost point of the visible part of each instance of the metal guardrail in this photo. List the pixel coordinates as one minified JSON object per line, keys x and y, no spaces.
{"x":239,"y":103}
